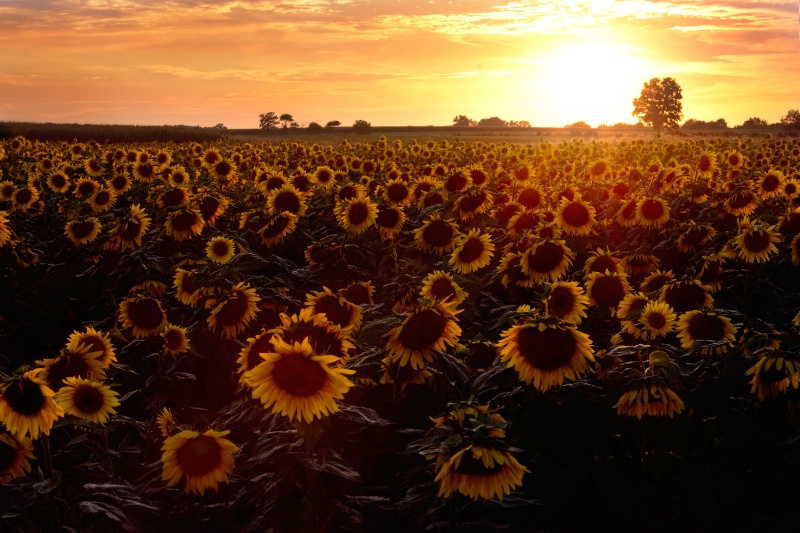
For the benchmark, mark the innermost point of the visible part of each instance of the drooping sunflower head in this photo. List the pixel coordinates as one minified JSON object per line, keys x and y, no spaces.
{"x":601,"y":260}
{"x":706,"y":327}
{"x":82,"y":230}
{"x":176,"y":339}
{"x":773,"y":374}
{"x":359,"y":293}
{"x":694,"y":236}
{"x":685,"y":295}
{"x":607,"y":289}
{"x":324,"y":336}
{"x":755,"y":243}
{"x":204,"y":459}
{"x":297,"y":383}
{"x":479,"y":472}
{"x":640,"y":263}
{"x":472,"y":202}
{"x":649,"y":397}
{"x":546,"y":260}
{"x":337,"y":309}
{"x":184,"y":223}
{"x":237,"y":308}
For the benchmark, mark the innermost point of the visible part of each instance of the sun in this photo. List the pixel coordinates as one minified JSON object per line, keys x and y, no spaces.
{"x":591,"y":81}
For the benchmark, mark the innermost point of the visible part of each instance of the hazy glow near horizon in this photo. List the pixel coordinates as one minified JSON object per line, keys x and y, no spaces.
{"x":392,"y":62}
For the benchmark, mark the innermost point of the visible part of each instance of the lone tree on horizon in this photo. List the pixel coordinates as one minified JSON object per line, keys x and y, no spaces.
{"x":267,"y":121}
{"x":659,"y":104}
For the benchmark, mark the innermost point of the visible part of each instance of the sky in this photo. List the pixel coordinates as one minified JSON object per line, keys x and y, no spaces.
{"x":392,"y":62}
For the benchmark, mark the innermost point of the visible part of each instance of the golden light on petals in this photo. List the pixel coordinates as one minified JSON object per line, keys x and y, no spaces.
{"x":204,"y":460}
{"x":567,"y":301}
{"x":439,"y":285}
{"x":235,"y":311}
{"x":651,"y":399}
{"x":574,"y":216}
{"x":27,"y":406}
{"x":480,"y":472}
{"x":220,"y":249}
{"x":87,"y":399}
{"x":14,"y":455}
{"x":472,"y":252}
{"x":144,"y":314}
{"x":699,"y":326}
{"x":427,"y":329}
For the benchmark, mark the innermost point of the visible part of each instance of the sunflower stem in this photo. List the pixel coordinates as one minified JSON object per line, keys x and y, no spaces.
{"x":48,"y":459}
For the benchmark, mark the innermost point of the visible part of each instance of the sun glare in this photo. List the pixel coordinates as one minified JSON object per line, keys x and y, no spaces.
{"x":591,"y":82}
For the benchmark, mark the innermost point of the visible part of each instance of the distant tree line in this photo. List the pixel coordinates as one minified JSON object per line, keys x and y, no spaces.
{"x":463,"y":121}
{"x":269,"y":121}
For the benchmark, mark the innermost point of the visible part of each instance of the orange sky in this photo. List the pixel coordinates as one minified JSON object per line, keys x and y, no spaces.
{"x":392,"y":62}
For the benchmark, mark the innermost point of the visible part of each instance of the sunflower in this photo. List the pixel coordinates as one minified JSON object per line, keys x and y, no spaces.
{"x":469,"y":414}
{"x":324,"y":336}
{"x":187,"y":292}
{"x":755,"y":243}
{"x":58,"y":182}
{"x":791,"y":189}
{"x":640,"y":263}
{"x":694,"y":236}
{"x":287,"y":199}
{"x":686,"y":295}
{"x":178,"y":177}
{"x":298,"y":383}
{"x":235,"y":311}
{"x":436,"y":235}
{"x":426,"y":329}
{"x":220,"y":249}
{"x":176,"y":339}
{"x":602,"y":260}
{"x":82,"y":230}
{"x":85,"y":188}
{"x":651,"y":398}
{"x":545,"y":354}
{"x":78,"y":358}
{"x":567,"y":301}
{"x":396,"y":192}
{"x":390,"y":221}
{"x":699,"y":326}
{"x":27,"y":406}
{"x":478,"y":471}
{"x":547,"y":260}
{"x":174,"y":197}
{"x":211,"y":206}
{"x":336,"y":308}
{"x":773,"y":374}
{"x":24,"y":197}
{"x":223,"y":171}
{"x":128,"y":234}
{"x":625,"y":215}
{"x":473,"y":252}
{"x":97,"y":341}
{"x":511,"y":267}
{"x":472,"y":202}
{"x":657,"y":319}
{"x":324,"y":177}
{"x":166,"y":422}
{"x":711,"y":272}
{"x":120,"y":183}
{"x":87,"y":399}
{"x":204,"y":459}
{"x":522,"y":221}
{"x":652,"y":212}
{"x":7,"y":189}
{"x":707,"y":164}
{"x":277,"y":228}
{"x":403,"y":375}
{"x":456,"y":181}
{"x":439,"y":286}
{"x":575,"y":217}
{"x":14,"y":455}
{"x":144,"y":314}
{"x":184,"y":223}
{"x":359,"y":293}
{"x":102,"y":200}
{"x":771,"y":184}
{"x":607,"y":289}
{"x":741,"y":202}
{"x":357,"y":214}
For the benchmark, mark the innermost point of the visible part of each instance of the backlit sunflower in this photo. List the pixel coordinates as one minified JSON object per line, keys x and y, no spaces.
{"x":277,"y":228}
{"x":511,"y":267}
{"x":396,"y":192}
{"x":58,"y":182}
{"x":359,"y":293}
{"x":176,"y":339}
{"x":575,"y":217}
{"x":640,"y":263}
{"x":287,"y":199}
{"x":427,"y":329}
{"x":547,"y":260}
{"x":14,"y":455}
{"x":144,"y":314}
{"x":706,"y":326}
{"x":128,"y":234}
{"x":522,"y":221}
{"x":652,"y":212}
{"x":336,"y":308}
{"x":436,"y":235}
{"x":324,"y":336}
{"x":297,"y":383}
{"x":211,"y":205}
{"x":235,"y":311}
{"x":174,"y":197}
{"x":655,"y":281}
{"x":480,"y":472}
{"x":649,"y":397}
{"x":686,"y":295}
{"x":97,"y":341}
{"x":87,"y":399}
{"x":773,"y":374}
{"x":602,"y":260}
{"x":204,"y":459}
{"x":220,"y":249}
{"x":439,"y":285}
{"x":77,"y":358}
{"x":741,"y":202}
{"x":102,"y":200}
{"x":223,"y":171}
{"x":178,"y":177}
{"x":771,"y":184}
{"x":607,"y":289}
{"x":694,"y":236}
{"x":471,"y":203}
{"x":323,"y":177}
{"x":184,"y":223}
{"x":546,"y":354}
{"x":473,"y":252}
{"x":82,"y":230}
{"x":166,"y":422}
{"x":24,"y":197}
{"x":755,"y":242}
{"x":357,"y":214}
{"x":27,"y":406}
{"x":389,"y":221}
{"x":120,"y":183}
{"x":567,"y":301}
{"x":625,"y":215}
{"x":706,"y":165}
{"x":657,"y":319}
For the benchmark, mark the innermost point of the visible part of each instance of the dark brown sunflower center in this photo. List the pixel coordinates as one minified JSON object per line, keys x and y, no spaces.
{"x":561,"y":302}
{"x":131,"y":230}
{"x":422,"y":330}
{"x":276,"y":227}
{"x":603,"y":263}
{"x":66,"y":366}
{"x":599,"y":168}
{"x":184,"y":221}
{"x":223,"y":168}
{"x":756,"y":241}
{"x":82,"y":229}
{"x":321,"y":340}
{"x":199,"y":456}
{"x":260,"y":345}
{"x":684,"y":297}
{"x":711,"y":272}
{"x":23,"y":196}
{"x":119,"y":182}
{"x":608,"y":291}
{"x":324,"y":176}
{"x":441,"y":288}
{"x":397,"y":192}
{"x":525,"y":221}
{"x":387,"y":218}
{"x":470,"y":466}
{"x":145,"y":313}
{"x":456,"y":182}
{"x":357,"y":213}
{"x":770,"y":183}
{"x":472,"y":202}
{"x":87,"y":399}
{"x":299,"y":375}
{"x":478,"y":177}
{"x":438,"y":233}
{"x":173,"y":197}
{"x":655,"y":283}
{"x":706,"y":327}
{"x":471,"y":250}
{"x":145,"y":170}
{"x":741,"y":199}
{"x":656,"y":320}
{"x":629,"y":210}
{"x":233,"y":310}
{"x":705,"y":163}
{"x":433,"y":198}
{"x":25,"y":397}
{"x":576,"y":215}
{"x":695,"y":236}
{"x":208,"y":207}
{"x":58,"y":181}
{"x":173,"y":339}
{"x":275,"y":182}
{"x":546,"y":350}
{"x":287,"y":201}
{"x":102,"y":198}
{"x":546,"y":257}
{"x":178,"y":178}
{"x":336,"y":312}
{"x":652,"y":209}
{"x":348,"y":192}
{"x":530,"y":198}
{"x":220,"y":248}
{"x":357,"y":294}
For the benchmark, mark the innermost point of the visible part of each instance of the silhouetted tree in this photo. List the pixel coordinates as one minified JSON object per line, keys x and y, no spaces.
{"x":314,"y":127}
{"x":694,"y":124}
{"x":754,"y":122}
{"x":463,"y":121}
{"x":333,"y":124}
{"x":579,"y":124}
{"x":361,"y":127}
{"x":659,"y":104}
{"x":792,"y":120}
{"x":492,"y":121}
{"x":267,"y":121}
{"x":518,"y":124}
{"x":286,"y":118}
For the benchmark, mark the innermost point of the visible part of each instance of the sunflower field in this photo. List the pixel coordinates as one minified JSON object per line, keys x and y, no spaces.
{"x":400,"y":335}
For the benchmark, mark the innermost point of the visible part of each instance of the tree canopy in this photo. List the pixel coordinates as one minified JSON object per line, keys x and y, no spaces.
{"x":267,"y":121}
{"x":659,"y":104}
